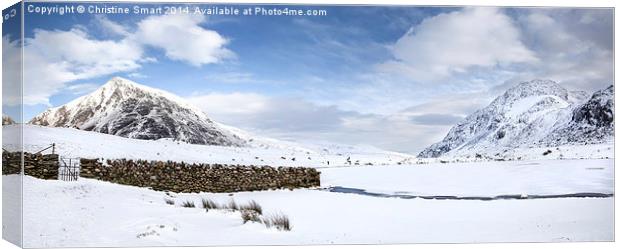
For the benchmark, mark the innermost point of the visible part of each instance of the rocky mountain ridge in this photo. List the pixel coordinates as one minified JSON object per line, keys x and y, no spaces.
{"x":533,"y":113}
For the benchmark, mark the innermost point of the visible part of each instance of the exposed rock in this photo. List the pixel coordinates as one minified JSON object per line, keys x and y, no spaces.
{"x":591,"y":122}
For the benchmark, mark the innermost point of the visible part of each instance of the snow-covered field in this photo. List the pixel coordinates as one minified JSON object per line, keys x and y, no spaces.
{"x":590,"y":151}
{"x":77,"y":143}
{"x":94,"y":213}
{"x":488,"y":179}
{"x":263,"y":151}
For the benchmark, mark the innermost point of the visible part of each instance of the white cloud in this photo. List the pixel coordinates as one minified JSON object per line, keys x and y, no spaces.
{"x":83,"y":88}
{"x":574,"y":49}
{"x":233,"y":77}
{"x":457,"y":41}
{"x":110,"y":27}
{"x":452,"y":104}
{"x":271,"y":114}
{"x":11,"y":65}
{"x":84,"y":56}
{"x":393,"y":132}
{"x":55,"y":58}
{"x":137,"y":75}
{"x":182,"y":38}
{"x":299,"y":120}
{"x":230,"y":103}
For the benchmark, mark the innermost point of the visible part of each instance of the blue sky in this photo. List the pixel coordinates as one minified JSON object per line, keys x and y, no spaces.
{"x":394,"y":77}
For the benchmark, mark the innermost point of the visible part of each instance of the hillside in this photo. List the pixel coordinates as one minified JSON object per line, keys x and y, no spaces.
{"x":127,"y":109}
{"x":537,"y":113}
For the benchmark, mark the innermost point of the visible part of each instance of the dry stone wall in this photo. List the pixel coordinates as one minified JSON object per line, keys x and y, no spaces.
{"x":11,"y":163}
{"x":169,"y":176}
{"x":188,"y":178}
{"x":36,"y":165}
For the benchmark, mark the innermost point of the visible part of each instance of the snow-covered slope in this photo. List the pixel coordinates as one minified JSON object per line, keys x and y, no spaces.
{"x":531,"y":114}
{"x":85,"y":213}
{"x":71,"y":142}
{"x":7,"y":120}
{"x":591,"y":122}
{"x":127,"y":109}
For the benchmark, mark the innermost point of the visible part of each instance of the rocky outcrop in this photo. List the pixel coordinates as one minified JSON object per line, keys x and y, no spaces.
{"x":591,"y":122}
{"x":598,"y":111}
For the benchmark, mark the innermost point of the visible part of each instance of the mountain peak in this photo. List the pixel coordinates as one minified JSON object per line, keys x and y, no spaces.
{"x":528,"y":114}
{"x":535,"y":87}
{"x":7,"y":120}
{"x":119,"y":78}
{"x":117,"y":81}
{"x":128,"y":109}
{"x":119,"y":89}
{"x":539,"y":82}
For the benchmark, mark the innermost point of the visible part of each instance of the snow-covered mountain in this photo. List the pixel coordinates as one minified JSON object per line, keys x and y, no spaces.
{"x":530,"y":114}
{"x":127,"y":109}
{"x":591,"y":122}
{"x":7,"y":120}
{"x":124,"y":108}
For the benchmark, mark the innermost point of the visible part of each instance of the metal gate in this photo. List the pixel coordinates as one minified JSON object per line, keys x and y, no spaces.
{"x":69,"y":169}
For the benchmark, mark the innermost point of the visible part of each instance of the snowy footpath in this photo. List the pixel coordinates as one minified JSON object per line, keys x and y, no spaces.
{"x":94,"y":213}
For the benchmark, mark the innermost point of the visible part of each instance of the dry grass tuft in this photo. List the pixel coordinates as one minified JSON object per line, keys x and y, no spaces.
{"x":279,"y":221}
{"x":252,"y":206}
{"x":209,"y":204}
{"x":232,"y":205}
{"x":188,"y":204}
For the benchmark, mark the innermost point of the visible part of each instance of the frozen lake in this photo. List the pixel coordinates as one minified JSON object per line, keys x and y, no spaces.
{"x":487,"y":179}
